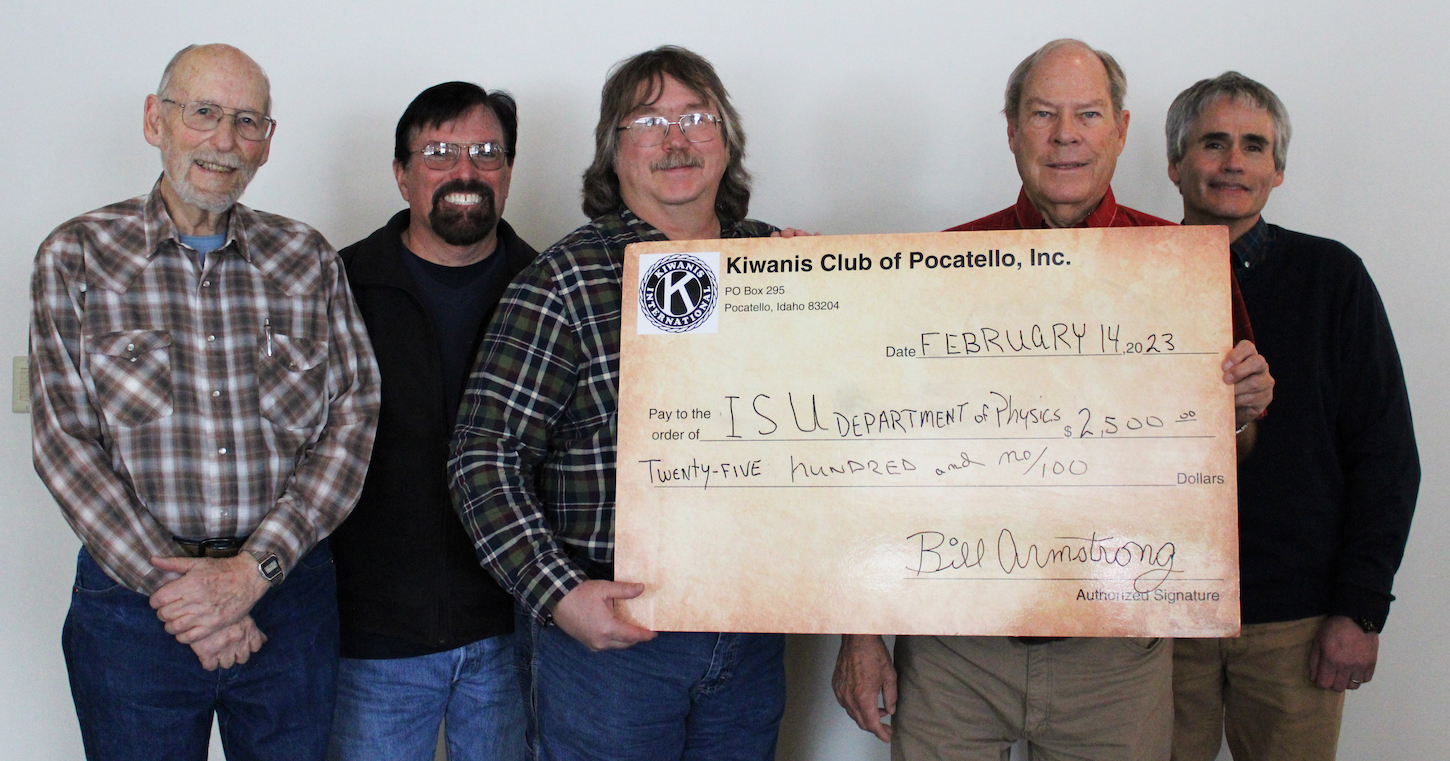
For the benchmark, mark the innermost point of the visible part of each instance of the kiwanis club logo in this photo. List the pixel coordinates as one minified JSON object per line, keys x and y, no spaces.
{"x":678,"y":293}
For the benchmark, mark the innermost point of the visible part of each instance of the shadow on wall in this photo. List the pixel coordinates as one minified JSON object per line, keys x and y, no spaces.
{"x":556,"y":144}
{"x":363,"y":192}
{"x":897,"y":159}
{"x":815,"y":728}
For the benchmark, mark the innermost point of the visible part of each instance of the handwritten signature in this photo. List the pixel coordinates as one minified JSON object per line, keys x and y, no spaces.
{"x":937,"y":552}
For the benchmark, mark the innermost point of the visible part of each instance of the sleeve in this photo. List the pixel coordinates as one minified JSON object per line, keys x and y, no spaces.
{"x":526,"y":374}
{"x":69,"y":434}
{"x":1378,"y":456}
{"x":328,"y":478}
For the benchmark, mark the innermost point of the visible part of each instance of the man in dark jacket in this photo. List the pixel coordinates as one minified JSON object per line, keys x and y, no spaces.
{"x":1326,"y":496}
{"x":426,"y":632}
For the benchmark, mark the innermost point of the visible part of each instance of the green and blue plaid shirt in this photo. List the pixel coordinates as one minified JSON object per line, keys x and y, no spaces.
{"x":534,"y":450}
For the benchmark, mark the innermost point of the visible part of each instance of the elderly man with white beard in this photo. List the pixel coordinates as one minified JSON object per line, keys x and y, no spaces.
{"x":205,"y":400}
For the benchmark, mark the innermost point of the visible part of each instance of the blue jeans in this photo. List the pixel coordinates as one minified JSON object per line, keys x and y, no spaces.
{"x":679,"y":696}
{"x":140,"y":694}
{"x":389,"y":709}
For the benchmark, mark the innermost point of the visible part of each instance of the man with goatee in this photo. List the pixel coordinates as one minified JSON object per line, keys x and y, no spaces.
{"x":427,"y":635}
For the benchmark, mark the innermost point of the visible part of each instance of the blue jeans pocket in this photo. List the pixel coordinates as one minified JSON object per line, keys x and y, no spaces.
{"x":319,"y":558}
{"x":91,"y":579}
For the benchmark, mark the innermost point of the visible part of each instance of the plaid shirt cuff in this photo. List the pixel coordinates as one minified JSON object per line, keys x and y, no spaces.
{"x":548,"y":579}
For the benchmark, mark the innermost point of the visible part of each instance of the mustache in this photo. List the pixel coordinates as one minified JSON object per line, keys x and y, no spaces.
{"x":212,"y":156}
{"x":464,"y":227}
{"x":674,"y":160}
{"x":464,"y":186}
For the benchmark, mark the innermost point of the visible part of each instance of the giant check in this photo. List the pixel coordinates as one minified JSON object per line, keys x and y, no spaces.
{"x":1015,"y":433}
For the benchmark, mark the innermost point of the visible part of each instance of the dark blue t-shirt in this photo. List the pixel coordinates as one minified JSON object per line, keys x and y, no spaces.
{"x":452,"y":297}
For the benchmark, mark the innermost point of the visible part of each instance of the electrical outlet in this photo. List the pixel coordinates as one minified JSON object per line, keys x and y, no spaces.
{"x":20,"y":385}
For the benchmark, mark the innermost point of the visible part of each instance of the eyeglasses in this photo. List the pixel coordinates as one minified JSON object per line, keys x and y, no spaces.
{"x":652,"y":130}
{"x":487,"y":156}
{"x":200,"y":115}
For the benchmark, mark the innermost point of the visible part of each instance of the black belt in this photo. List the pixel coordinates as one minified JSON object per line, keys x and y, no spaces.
{"x":1030,"y":641}
{"x":222,"y":547}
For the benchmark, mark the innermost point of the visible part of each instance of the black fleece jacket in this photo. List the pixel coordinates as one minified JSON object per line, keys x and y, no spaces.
{"x":408,"y":580}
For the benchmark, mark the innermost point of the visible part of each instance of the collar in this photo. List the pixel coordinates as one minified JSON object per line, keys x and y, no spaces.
{"x":1250,"y":250}
{"x":648,"y":232}
{"x":161,"y":228}
{"x":117,"y":266}
{"x":378,"y":259}
{"x":638,"y":227}
{"x":1029,"y":218}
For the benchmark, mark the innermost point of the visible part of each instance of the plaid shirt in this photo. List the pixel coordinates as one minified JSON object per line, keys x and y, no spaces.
{"x":1251,"y":249}
{"x":167,"y":401}
{"x":534,"y":450}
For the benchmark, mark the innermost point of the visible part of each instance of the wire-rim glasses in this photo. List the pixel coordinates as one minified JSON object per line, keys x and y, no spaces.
{"x":485,"y":156}
{"x":648,"y":131}
{"x":203,"y":116}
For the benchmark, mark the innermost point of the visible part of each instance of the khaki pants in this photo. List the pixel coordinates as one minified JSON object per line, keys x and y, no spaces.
{"x":1079,"y":699}
{"x":1256,"y":688}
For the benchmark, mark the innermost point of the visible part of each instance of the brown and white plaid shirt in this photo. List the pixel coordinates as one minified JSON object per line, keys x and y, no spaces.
{"x":170,"y":400}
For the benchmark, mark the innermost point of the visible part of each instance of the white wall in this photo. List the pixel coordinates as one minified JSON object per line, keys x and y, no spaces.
{"x":861,"y":120}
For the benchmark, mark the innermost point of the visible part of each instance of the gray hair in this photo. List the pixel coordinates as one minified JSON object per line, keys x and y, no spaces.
{"x":639,"y":81}
{"x":1117,"y":80}
{"x":163,"y":90}
{"x":1189,"y":105}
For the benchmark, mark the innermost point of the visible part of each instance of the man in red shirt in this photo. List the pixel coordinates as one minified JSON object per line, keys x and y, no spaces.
{"x":1099,"y":698}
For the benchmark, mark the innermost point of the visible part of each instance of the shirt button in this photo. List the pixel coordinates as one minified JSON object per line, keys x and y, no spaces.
{"x":206,"y":284}
{"x":215,"y":394}
{"x":130,"y":347}
{"x":223,"y":450}
{"x":210,"y":339}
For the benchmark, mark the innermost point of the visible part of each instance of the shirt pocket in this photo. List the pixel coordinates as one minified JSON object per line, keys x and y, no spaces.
{"x":292,"y":381}
{"x":132,"y":373}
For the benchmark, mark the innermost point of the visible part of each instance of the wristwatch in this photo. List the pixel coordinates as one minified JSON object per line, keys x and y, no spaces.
{"x":1364,"y":623}
{"x":269,"y":567}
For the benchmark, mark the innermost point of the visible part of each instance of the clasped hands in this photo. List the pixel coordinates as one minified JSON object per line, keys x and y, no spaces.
{"x":209,"y":607}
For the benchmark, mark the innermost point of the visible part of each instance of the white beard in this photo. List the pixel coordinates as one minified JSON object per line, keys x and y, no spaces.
{"x":176,"y":166}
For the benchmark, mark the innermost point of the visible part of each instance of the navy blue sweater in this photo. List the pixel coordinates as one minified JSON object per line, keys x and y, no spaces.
{"x":1327,"y":494}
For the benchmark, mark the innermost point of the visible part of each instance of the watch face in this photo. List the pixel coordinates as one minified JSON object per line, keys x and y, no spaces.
{"x":271,"y":569}
{"x":1366,"y":624}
